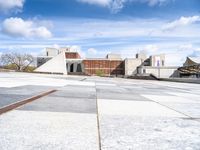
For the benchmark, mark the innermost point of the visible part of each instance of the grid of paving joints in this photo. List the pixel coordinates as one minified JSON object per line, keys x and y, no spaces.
{"x":65,"y":119}
{"x":143,"y":120}
{"x":131,"y":115}
{"x":65,"y":111}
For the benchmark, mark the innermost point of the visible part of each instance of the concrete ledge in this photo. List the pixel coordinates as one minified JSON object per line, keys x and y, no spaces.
{"x":48,"y":73}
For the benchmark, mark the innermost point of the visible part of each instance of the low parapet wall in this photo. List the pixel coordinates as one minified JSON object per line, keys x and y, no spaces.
{"x":159,"y":72}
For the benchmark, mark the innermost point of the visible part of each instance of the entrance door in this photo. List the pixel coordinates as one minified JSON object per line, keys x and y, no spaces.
{"x":72,"y":68}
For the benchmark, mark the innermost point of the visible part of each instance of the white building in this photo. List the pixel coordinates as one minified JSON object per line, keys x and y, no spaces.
{"x":67,"y":60}
{"x":155,"y":65}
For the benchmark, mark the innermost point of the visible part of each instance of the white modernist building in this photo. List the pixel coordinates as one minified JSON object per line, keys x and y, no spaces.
{"x":53,"y":61}
{"x":155,"y":65}
{"x":67,"y":60}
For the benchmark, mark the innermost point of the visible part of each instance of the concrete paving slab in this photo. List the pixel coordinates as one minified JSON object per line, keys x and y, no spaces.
{"x":148,"y":133}
{"x":128,"y":95}
{"x":15,"y":94}
{"x":78,"y":88}
{"x":191,"y":109}
{"x":171,"y":99}
{"x":114,"y":89}
{"x":78,"y":92}
{"x":20,"y":79}
{"x":74,"y":94}
{"x":121,"y":96}
{"x":186,"y":105}
{"x":25,"y":90}
{"x":6,"y":99}
{"x":135,"y":108}
{"x":105,"y":84}
{"x":31,"y":130}
{"x":62,"y":104}
{"x":187,"y":95}
{"x":80,"y":83}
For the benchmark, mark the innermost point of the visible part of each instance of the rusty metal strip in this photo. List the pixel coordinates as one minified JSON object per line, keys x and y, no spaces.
{"x":23,"y":102}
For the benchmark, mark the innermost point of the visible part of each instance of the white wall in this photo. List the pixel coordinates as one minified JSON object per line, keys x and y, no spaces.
{"x":131,"y":65}
{"x":114,"y":57}
{"x":160,"y":72}
{"x":56,"y":65}
{"x":52,"y":52}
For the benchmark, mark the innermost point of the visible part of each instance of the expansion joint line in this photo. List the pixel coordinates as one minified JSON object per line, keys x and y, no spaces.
{"x":190,"y":117}
{"x":98,"y":121}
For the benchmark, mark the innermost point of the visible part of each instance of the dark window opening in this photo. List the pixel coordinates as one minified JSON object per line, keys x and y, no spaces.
{"x":163,"y":63}
{"x":72,"y":68}
{"x":79,"y":69}
{"x":144,"y":71}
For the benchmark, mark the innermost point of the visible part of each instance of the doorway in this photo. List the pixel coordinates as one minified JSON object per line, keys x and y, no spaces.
{"x":71,"y":68}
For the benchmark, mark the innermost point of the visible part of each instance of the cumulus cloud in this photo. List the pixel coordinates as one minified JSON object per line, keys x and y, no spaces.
{"x":113,"y":5}
{"x":150,"y":49}
{"x":185,"y":47}
{"x":18,"y":27}
{"x":155,"y":2}
{"x":96,"y":2}
{"x":190,"y":49}
{"x":11,"y":5}
{"x":56,"y":46}
{"x":92,"y":51}
{"x":183,"y":21}
{"x":116,"y":5}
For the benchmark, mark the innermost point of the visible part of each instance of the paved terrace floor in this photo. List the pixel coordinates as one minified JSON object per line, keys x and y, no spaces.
{"x":92,"y":113}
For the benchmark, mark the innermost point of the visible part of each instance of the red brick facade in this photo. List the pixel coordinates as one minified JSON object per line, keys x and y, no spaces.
{"x":107,"y":67}
{"x":72,"y":55}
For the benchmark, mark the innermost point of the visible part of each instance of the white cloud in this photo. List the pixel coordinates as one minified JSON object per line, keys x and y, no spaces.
{"x":198,"y":49}
{"x":126,"y":37}
{"x":185,"y":47}
{"x":56,"y":46}
{"x":116,"y":5}
{"x":113,"y":5}
{"x":11,"y":5}
{"x":97,"y":2}
{"x":155,"y":2}
{"x":190,"y":49}
{"x":92,"y":51}
{"x":21,"y":28}
{"x":183,"y":21}
{"x":150,"y":49}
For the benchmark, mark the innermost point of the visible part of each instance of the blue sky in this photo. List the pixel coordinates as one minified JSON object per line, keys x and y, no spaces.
{"x":97,"y":27}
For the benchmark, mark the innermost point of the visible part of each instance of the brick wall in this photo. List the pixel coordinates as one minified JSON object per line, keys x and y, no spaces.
{"x":72,"y":55}
{"x":108,"y":67}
